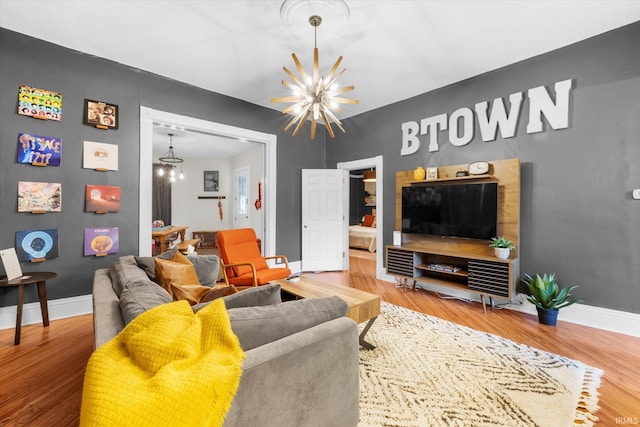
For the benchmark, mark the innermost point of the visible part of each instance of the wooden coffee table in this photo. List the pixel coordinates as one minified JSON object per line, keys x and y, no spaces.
{"x":363,"y":306}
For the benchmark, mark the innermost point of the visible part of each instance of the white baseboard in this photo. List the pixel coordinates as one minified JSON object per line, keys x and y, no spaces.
{"x":596,"y":317}
{"x":58,"y":309}
{"x":621,"y":322}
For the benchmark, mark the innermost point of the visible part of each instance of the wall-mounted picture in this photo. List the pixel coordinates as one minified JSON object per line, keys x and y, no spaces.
{"x":102,"y":198}
{"x":37,"y":244}
{"x":101,"y":241}
{"x":211,"y":181}
{"x":39,"y":150}
{"x":39,"y":103}
{"x":100,"y":114}
{"x":39,"y":196}
{"x":101,"y":156}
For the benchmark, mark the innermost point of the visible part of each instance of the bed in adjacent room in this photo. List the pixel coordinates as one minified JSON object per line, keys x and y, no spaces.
{"x":363,"y":236}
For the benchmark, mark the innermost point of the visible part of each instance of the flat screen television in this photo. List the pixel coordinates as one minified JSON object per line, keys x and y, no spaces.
{"x":467,"y":210}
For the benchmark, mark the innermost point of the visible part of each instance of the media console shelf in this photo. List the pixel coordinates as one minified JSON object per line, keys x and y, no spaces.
{"x":464,"y":264}
{"x":479,"y":273}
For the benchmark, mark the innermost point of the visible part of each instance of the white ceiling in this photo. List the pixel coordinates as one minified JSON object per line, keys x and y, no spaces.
{"x":393,"y":50}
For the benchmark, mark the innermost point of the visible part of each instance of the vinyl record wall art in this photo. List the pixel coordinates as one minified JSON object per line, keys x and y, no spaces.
{"x":101,"y":241}
{"x":37,"y":244}
{"x":39,"y":103}
{"x":39,"y":150}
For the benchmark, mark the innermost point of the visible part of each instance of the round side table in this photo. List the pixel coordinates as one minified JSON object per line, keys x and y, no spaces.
{"x":40,"y":278}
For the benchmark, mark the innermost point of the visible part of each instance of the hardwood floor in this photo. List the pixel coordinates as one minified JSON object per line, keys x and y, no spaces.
{"x":41,"y":379}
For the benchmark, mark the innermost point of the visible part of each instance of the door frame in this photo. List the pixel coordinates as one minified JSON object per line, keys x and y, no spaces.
{"x":372,"y":162}
{"x":149,"y":116}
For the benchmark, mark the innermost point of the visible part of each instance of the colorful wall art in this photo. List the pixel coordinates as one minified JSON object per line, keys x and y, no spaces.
{"x":100,"y":114}
{"x":101,"y":241}
{"x":102,"y":198}
{"x":101,"y":156}
{"x":39,"y":196}
{"x":39,"y":103}
{"x":39,"y":150}
{"x":37,"y":244}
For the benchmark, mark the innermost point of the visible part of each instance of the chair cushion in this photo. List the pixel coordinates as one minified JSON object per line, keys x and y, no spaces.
{"x":140,"y":296}
{"x":256,"y":326}
{"x":262,"y":276}
{"x":245,"y":252}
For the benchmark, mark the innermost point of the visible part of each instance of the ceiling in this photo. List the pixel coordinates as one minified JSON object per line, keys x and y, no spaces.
{"x":393,"y":50}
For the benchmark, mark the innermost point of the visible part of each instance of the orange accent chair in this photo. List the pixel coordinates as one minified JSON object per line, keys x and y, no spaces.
{"x":242,"y":263}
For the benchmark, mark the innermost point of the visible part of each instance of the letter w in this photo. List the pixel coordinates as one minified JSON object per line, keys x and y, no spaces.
{"x":499,"y":117}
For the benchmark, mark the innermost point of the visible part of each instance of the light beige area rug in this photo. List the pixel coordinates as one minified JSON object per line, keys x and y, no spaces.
{"x":427,"y":371}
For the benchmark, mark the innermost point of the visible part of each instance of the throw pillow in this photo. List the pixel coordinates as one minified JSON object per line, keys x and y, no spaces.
{"x":368,"y":220}
{"x":207,"y":267}
{"x":138,"y":297}
{"x":148,"y":264}
{"x":256,"y":326}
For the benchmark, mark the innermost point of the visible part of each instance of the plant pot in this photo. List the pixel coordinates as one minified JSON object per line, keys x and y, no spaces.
{"x":502,"y":253}
{"x":548,"y":316}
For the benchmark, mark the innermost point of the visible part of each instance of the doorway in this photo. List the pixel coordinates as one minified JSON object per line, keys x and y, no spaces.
{"x":373,"y":162}
{"x":150,"y":116}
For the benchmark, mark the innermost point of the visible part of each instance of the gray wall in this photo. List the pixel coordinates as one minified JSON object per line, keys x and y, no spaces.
{"x":578,"y":218}
{"x":78,"y":76}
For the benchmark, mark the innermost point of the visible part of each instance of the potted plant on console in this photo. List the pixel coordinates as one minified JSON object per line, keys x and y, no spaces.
{"x":547,"y":296}
{"x":501,"y":246}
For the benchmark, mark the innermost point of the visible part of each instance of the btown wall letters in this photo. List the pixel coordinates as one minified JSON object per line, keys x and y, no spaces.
{"x":461,"y":123}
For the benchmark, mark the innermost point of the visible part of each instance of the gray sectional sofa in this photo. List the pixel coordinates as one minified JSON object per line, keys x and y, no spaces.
{"x":301,"y":364}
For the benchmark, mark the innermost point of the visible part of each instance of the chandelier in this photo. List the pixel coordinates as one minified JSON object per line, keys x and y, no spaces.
{"x":314,"y":96}
{"x":170,"y":159}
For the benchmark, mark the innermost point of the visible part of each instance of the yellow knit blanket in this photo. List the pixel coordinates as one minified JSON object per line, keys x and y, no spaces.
{"x":167,"y":367}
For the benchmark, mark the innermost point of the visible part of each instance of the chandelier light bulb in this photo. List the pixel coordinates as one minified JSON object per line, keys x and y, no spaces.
{"x":161,"y":171}
{"x":181,"y":175}
{"x":172,"y":173}
{"x":172,"y":179}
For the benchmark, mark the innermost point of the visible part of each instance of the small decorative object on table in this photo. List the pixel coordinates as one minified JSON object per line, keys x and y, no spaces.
{"x":158,"y":223}
{"x":547,"y":296}
{"x":432,"y":173}
{"x":419,"y":173}
{"x":502,"y":247}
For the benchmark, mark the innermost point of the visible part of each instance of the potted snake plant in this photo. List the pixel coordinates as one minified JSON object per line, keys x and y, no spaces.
{"x":547,"y":296}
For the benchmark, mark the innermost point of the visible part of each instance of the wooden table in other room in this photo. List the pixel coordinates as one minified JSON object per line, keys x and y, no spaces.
{"x":363,"y":306}
{"x":39,"y":278}
{"x":161,"y":235}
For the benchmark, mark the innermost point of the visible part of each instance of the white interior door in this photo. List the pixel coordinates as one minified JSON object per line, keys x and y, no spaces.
{"x":325,"y":194}
{"x":241,"y":218}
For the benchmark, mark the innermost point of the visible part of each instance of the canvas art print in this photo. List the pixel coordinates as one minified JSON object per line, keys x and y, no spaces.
{"x":39,"y":103}
{"x":100,"y":114}
{"x":39,"y":196}
{"x":101,"y":156}
{"x":39,"y":150}
{"x":37,"y":244}
{"x":102,"y":198}
{"x":211,"y":180}
{"x":101,"y":241}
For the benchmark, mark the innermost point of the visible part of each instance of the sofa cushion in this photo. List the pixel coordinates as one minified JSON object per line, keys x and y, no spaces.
{"x":207,"y":267}
{"x":252,"y":297}
{"x":256,"y":326}
{"x":140,"y":296}
{"x":124,"y":271}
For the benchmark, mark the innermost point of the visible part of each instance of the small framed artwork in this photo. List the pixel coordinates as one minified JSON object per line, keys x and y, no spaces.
{"x":101,"y":241}
{"x":432,"y":173}
{"x":39,"y":150}
{"x":100,"y":114}
{"x":211,"y":181}
{"x":39,"y":103}
{"x":37,"y":245}
{"x":102,"y":198}
{"x":100,"y":156}
{"x":39,"y":197}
